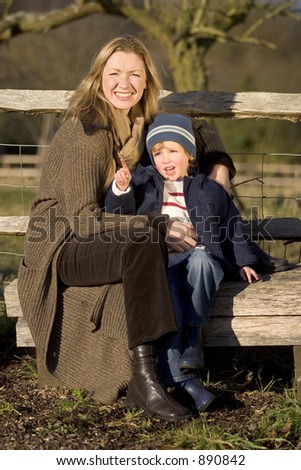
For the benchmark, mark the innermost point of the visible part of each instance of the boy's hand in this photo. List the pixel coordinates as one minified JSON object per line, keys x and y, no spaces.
{"x":248,"y":274}
{"x":123,"y":176}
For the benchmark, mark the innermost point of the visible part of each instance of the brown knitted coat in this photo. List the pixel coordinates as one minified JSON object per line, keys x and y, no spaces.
{"x":80,"y":333}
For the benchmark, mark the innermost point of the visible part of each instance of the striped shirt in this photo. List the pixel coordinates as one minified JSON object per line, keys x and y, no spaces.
{"x":174,"y":201}
{"x":175,"y":206}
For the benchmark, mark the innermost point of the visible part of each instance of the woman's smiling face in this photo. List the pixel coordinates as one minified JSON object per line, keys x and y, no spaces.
{"x":124,"y":80}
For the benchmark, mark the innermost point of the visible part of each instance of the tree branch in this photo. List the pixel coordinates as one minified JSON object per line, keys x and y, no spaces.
{"x":22,"y":22}
{"x":221,"y":36}
{"x":269,"y":15}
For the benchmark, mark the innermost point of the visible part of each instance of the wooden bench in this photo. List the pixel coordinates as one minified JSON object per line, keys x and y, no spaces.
{"x":267,"y":313}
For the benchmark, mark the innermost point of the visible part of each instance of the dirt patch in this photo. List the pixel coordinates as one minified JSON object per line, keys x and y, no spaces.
{"x":46,"y":418}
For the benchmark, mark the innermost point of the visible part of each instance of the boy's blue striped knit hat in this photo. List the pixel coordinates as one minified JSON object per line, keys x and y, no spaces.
{"x":173,"y":127}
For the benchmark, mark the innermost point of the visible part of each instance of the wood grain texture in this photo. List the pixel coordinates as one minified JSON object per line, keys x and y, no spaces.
{"x":233,"y":105}
{"x":266,"y":313}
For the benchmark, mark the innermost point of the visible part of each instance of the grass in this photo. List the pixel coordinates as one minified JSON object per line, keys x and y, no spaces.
{"x":17,"y":198}
{"x":284,"y":421}
{"x":30,"y":366}
{"x":270,"y":418}
{"x":209,"y":436}
{"x":7,"y":409}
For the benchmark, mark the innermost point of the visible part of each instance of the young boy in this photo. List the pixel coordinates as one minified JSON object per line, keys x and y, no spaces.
{"x":194,"y":275}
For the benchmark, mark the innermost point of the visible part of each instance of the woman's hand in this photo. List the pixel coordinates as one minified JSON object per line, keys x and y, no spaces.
{"x":123,"y":176}
{"x":220,"y":174}
{"x":248,"y":274}
{"x":180,"y":236}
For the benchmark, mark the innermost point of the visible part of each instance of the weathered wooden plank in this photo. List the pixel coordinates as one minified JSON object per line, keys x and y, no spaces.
{"x":235,"y":105}
{"x":266,"y":313}
{"x":253,"y":331}
{"x":13,"y":307}
{"x":23,"y":335}
{"x":238,"y":331}
{"x":34,"y":101}
{"x":276,"y":295}
{"x":13,"y":225}
{"x":38,"y":101}
{"x":196,"y":103}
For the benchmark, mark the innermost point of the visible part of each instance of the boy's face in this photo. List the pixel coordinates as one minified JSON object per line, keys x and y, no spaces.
{"x":171,"y":160}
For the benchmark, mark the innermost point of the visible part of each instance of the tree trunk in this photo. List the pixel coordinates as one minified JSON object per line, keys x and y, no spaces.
{"x":188,"y":67}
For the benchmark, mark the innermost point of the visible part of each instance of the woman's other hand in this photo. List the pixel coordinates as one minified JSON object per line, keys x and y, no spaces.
{"x":220,"y":174}
{"x":248,"y":274}
{"x":180,"y":236}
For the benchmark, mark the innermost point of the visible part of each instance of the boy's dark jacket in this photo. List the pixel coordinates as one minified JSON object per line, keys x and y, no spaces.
{"x":211,"y":210}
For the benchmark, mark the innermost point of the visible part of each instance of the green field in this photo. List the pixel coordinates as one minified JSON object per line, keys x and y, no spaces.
{"x":14,"y":201}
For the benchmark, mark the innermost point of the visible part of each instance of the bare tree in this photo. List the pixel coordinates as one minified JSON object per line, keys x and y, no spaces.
{"x":186,"y":29}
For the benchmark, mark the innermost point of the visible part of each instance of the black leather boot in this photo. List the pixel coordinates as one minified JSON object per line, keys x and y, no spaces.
{"x":145,"y":390}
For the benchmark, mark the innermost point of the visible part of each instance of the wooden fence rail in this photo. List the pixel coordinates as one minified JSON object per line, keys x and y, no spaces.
{"x":286,"y":106}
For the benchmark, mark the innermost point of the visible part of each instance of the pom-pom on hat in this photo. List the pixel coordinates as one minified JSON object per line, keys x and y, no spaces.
{"x":173,"y":127}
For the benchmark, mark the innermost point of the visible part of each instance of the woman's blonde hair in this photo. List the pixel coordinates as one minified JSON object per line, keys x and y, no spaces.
{"x":88,"y":101}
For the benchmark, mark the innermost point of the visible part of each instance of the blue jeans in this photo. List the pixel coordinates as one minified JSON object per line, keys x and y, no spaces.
{"x":192,"y":284}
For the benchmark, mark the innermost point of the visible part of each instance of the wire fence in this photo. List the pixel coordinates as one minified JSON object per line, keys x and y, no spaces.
{"x":270,"y":179}
{"x":266,"y":184}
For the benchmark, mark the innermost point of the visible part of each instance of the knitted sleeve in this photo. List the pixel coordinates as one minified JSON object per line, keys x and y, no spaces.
{"x":210,"y":149}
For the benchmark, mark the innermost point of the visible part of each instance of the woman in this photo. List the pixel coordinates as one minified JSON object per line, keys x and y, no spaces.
{"x":93,"y":286}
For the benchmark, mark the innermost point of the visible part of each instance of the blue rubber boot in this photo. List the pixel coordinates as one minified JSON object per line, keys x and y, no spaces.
{"x":201,"y":397}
